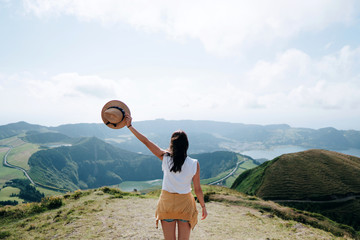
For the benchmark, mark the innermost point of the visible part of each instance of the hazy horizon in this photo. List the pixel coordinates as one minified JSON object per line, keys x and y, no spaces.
{"x":252,"y":62}
{"x":315,"y":128}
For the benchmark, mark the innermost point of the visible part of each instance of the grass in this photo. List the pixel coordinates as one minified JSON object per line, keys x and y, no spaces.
{"x":13,"y":141}
{"x":286,"y":213}
{"x":5,"y":194}
{"x":251,"y":180}
{"x":9,"y":141}
{"x":248,"y":164}
{"x":19,"y":155}
{"x":108,"y":213}
{"x":311,"y":174}
{"x":213,"y":179}
{"x":47,"y":192}
{"x":7,"y":174}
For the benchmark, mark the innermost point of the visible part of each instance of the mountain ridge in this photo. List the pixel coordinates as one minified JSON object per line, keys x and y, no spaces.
{"x":205,"y":136}
{"x":92,"y":163}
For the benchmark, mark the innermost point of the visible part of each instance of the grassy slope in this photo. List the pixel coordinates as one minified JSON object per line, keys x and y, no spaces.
{"x":248,"y":164}
{"x":19,"y":156}
{"x":98,"y":215}
{"x":250,"y":180}
{"x":7,"y":173}
{"x":311,"y":174}
{"x":6,"y":192}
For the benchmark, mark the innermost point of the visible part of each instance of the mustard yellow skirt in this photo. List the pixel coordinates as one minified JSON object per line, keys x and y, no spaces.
{"x":176,"y":206}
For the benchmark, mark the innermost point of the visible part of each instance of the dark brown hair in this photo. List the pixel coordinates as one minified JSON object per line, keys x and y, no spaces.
{"x":179,"y":145}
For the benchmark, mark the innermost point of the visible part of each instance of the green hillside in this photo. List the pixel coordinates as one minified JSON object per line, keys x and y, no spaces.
{"x":14,"y":129}
{"x":92,"y":163}
{"x":107,"y":213}
{"x":212,"y":164}
{"x":46,"y":137}
{"x":314,"y":175}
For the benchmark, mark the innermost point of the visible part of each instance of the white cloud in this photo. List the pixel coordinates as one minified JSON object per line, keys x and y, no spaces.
{"x":72,"y":85}
{"x":291,"y":86}
{"x":223,"y":27}
{"x":295,"y":80}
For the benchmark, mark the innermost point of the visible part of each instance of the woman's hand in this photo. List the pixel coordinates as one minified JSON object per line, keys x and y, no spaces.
{"x":128,"y":120}
{"x":204,"y":213}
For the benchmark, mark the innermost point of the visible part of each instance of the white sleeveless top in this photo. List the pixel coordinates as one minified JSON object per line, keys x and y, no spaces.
{"x":179,"y":182}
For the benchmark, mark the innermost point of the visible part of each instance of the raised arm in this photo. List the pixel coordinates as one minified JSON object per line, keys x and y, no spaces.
{"x":199,"y":192}
{"x":156,"y":150}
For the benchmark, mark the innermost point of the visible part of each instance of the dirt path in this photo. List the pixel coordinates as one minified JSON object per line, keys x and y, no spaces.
{"x":99,"y":217}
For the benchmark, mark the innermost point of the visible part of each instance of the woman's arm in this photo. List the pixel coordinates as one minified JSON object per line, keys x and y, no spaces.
{"x":158,"y":152}
{"x":199,"y":192}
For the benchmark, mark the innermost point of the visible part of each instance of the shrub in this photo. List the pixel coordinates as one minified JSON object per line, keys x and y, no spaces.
{"x":36,"y":208}
{"x":115,"y":192}
{"x":4,"y":234}
{"x":52,"y":202}
{"x":207,"y":196}
{"x":77,"y":194}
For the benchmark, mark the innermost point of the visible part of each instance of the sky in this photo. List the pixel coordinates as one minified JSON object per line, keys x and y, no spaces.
{"x":254,"y":62}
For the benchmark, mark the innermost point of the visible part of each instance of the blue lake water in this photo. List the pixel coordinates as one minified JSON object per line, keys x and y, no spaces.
{"x":275,"y":152}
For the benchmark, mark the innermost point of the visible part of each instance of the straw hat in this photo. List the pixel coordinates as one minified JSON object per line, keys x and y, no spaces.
{"x":113,"y":114}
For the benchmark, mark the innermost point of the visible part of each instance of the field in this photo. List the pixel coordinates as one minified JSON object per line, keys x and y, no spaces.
{"x":47,"y":192}
{"x":209,"y":180}
{"x":6,"y":173}
{"x":243,"y":167}
{"x":19,"y":155}
{"x":248,"y":164}
{"x":6,"y":192}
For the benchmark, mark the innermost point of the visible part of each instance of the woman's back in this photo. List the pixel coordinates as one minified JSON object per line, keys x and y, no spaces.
{"x":179,"y":182}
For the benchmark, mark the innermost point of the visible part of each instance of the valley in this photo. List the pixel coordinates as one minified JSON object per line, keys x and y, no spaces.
{"x":58,"y":163}
{"x":50,"y":179}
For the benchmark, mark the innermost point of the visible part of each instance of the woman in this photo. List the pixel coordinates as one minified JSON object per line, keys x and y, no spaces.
{"x":176,"y":204}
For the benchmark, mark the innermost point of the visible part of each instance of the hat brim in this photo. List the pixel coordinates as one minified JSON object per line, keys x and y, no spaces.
{"x":114,"y":103}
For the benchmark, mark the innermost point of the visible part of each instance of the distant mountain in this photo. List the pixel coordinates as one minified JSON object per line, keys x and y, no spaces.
{"x":209,"y":136}
{"x":303,"y":179}
{"x":47,"y":137}
{"x":205,"y":136}
{"x":14,"y":129}
{"x":92,"y":163}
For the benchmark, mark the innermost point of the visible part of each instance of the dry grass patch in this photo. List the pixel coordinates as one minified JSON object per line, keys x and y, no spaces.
{"x":103,"y":214}
{"x":272,"y":210}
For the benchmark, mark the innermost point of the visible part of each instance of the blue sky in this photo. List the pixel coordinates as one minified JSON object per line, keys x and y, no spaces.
{"x":255,"y":62}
